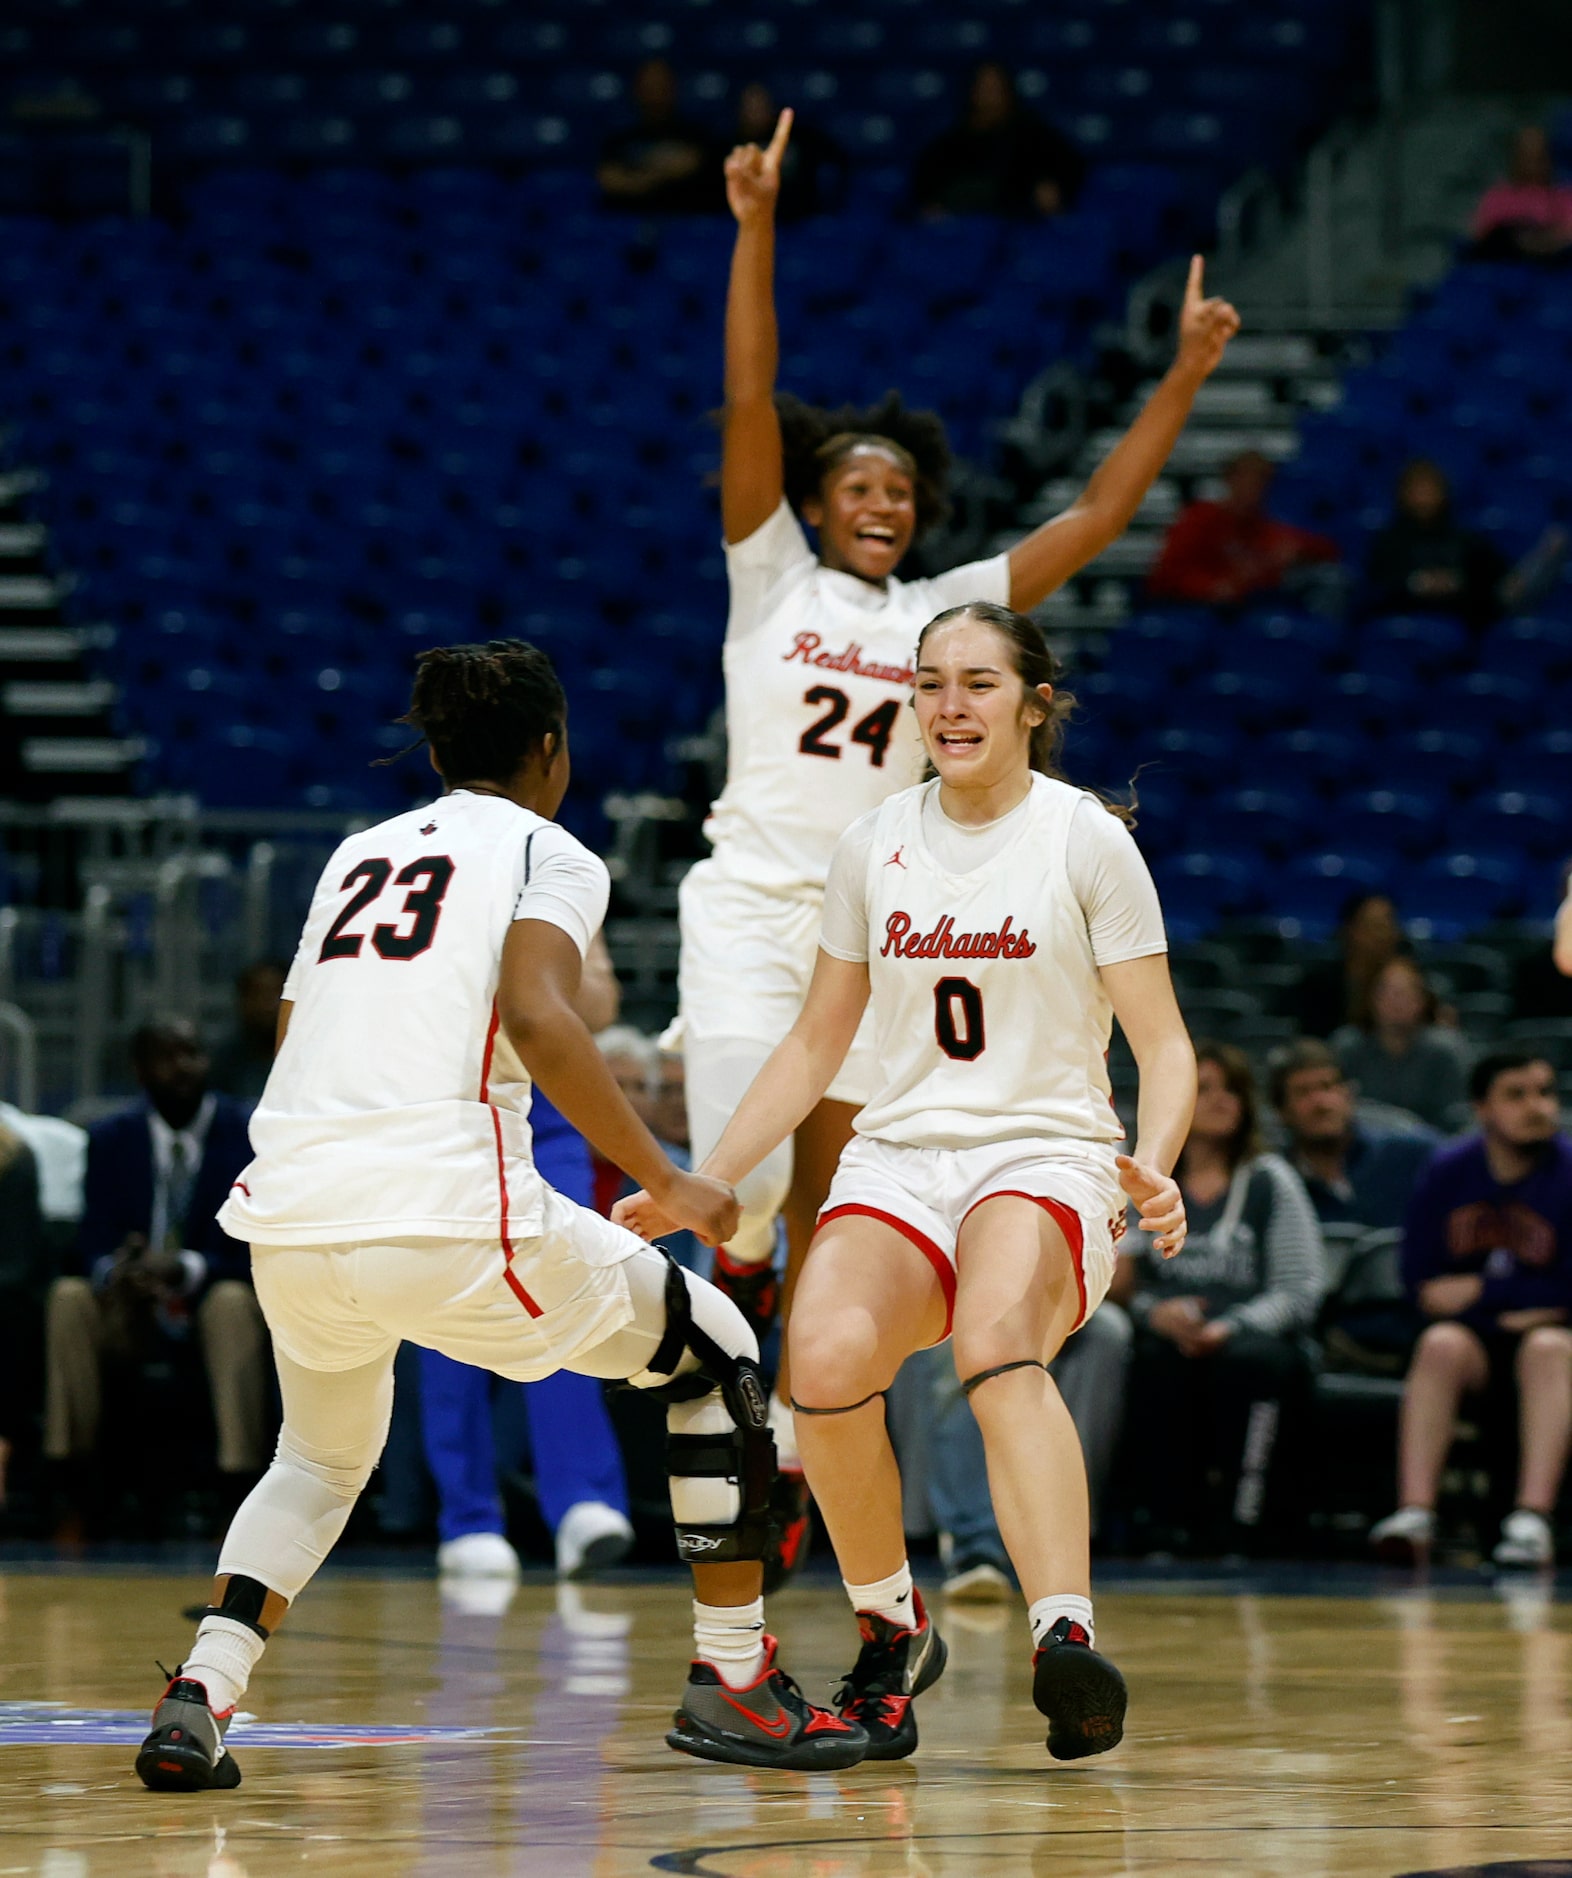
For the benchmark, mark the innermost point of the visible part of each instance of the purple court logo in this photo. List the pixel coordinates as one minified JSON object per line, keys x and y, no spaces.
{"x":50,"y":1724}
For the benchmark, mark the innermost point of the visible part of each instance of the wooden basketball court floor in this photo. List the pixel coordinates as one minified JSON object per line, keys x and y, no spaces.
{"x":1403,"y":1729}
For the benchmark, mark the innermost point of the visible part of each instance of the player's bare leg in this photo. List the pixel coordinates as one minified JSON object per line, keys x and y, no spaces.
{"x":1017,"y":1299}
{"x":867,"y":1299}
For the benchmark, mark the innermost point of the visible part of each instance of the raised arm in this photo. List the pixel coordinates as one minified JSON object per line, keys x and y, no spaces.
{"x":752,"y":476}
{"x":536,"y":994}
{"x":786,"y":1090}
{"x":1561,"y":950}
{"x":1142,"y":995}
{"x":1100,"y":514}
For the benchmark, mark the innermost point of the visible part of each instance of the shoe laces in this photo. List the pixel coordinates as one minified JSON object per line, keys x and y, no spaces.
{"x":879,"y":1671}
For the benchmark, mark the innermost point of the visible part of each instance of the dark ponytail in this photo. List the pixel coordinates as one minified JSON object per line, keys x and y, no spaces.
{"x":485,"y":710}
{"x":1034,"y":664}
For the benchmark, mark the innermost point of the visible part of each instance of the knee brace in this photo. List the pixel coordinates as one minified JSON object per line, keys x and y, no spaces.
{"x":1000,"y":1369}
{"x":720,"y":1453}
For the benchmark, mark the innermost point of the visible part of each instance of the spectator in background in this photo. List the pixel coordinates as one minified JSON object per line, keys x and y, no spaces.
{"x":630,"y":1056}
{"x":1487,"y":1256}
{"x":24,"y":1276}
{"x":1333,"y":991}
{"x":1355,"y":1175}
{"x":1225,"y":553}
{"x":1396,"y":1052}
{"x":998,"y":158}
{"x":154,"y":1271}
{"x":1219,"y":1373}
{"x":663,"y":164}
{"x":1528,"y":215}
{"x":814,"y":170}
{"x":242,"y":1062}
{"x":1425,"y":560}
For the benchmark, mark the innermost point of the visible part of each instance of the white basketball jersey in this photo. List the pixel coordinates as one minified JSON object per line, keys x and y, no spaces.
{"x":396,"y":1107}
{"x":818,"y":682}
{"x":991,"y":1019}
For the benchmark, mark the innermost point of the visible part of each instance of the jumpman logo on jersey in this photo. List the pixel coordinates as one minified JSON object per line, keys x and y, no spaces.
{"x":429,"y":829}
{"x":895,"y":859}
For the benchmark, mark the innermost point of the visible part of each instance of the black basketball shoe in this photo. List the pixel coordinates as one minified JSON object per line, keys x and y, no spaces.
{"x":1080,"y":1692}
{"x":185,"y":1752}
{"x":770,"y":1723}
{"x":754,"y":1289}
{"x":892,"y":1669}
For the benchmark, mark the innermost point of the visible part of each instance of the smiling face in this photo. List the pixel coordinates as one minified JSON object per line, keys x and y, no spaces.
{"x":975,"y":715}
{"x":865,"y":512}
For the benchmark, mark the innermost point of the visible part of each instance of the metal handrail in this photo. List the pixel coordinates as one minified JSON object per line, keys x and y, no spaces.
{"x":1321,"y":172}
{"x":1256,"y":190}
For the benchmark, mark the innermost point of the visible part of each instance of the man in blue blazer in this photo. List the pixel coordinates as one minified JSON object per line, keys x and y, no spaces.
{"x":153,"y":1270}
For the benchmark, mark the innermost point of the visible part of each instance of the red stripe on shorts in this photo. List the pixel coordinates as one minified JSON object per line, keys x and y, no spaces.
{"x":943,"y":1269}
{"x":513,"y":1284}
{"x":1069,"y":1223}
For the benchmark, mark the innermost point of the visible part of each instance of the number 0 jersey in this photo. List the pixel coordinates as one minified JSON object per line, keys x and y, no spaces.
{"x":818,"y":682}
{"x":990,"y":1019}
{"x":396,"y":1108}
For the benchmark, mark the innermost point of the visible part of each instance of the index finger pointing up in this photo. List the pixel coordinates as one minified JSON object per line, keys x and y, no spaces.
{"x":1192,"y":287}
{"x":777,"y":147}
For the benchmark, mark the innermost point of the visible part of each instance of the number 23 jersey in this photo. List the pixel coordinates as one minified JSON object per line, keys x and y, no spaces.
{"x":396,"y":1108}
{"x":983,"y":948}
{"x":818,"y":683}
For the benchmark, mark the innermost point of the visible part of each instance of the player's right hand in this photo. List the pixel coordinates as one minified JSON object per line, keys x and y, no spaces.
{"x":753,"y":176}
{"x":1205,"y":326}
{"x":693,"y":1203}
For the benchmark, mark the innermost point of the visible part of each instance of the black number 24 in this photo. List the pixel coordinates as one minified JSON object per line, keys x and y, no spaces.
{"x":875,"y":730}
{"x":422,"y":903}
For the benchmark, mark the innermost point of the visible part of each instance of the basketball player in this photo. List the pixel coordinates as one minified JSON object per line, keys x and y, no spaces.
{"x":393,"y":1195}
{"x":996,"y":918}
{"x":818,"y":668}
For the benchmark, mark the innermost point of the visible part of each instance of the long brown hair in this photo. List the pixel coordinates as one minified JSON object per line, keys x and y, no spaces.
{"x":1033,"y":662}
{"x":1239,"y":1080}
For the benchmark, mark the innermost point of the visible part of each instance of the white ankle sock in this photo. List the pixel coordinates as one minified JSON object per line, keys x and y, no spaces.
{"x":222,"y":1659}
{"x":730,"y":1638}
{"x":890,"y":1597}
{"x":783,"y":1425}
{"x":1046,"y":1612}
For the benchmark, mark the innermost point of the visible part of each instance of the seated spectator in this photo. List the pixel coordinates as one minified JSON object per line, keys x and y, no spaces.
{"x":1487,"y":1256}
{"x":1220,"y":1376}
{"x":1225,"y":553}
{"x":1528,"y":215}
{"x":814,"y":170}
{"x":156,"y":1276}
{"x":1396,"y":1052}
{"x":24,"y":1270}
{"x":1355,"y":1175}
{"x":662,"y":164}
{"x":1368,"y":935}
{"x":241,"y":1064}
{"x":1425,"y":560}
{"x":998,"y":158}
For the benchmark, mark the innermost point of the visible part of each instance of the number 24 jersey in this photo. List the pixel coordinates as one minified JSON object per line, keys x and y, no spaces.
{"x":396,"y":1108}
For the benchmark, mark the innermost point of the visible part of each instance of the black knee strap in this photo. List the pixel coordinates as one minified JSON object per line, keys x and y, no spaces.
{"x":798,"y":1408}
{"x":1000,"y":1369}
{"x":243,"y":1601}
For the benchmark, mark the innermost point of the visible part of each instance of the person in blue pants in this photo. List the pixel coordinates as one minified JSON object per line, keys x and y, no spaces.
{"x":579,"y":1475}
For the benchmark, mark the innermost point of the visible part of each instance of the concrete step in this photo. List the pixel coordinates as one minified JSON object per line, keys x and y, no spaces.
{"x":19,"y":541}
{"x":39,"y":645}
{"x":57,"y":698}
{"x":81,"y":756}
{"x":28,"y":593}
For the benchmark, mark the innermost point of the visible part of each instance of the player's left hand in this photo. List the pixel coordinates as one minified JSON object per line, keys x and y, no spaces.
{"x":1205,"y":326}
{"x":1159,"y":1202}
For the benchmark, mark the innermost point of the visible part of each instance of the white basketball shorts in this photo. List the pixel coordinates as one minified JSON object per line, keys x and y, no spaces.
{"x":925,"y":1194}
{"x":523,"y":1311}
{"x":746,"y":960}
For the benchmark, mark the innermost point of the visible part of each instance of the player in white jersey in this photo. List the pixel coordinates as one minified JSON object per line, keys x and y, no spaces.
{"x":393,"y":1196}
{"x":818,"y":670}
{"x":995,"y":920}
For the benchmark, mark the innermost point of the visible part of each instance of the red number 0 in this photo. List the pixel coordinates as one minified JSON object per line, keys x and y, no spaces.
{"x":964,"y":1044}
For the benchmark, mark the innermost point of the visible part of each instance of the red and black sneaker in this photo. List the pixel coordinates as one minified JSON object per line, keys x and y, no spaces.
{"x":791,"y":1529}
{"x":1080,"y":1692}
{"x":892,"y":1669}
{"x":770,"y":1723}
{"x":185,"y":1751}
{"x":754,"y":1289}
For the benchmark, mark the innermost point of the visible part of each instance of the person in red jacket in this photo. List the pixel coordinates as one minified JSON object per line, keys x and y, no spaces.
{"x":1227,"y":552}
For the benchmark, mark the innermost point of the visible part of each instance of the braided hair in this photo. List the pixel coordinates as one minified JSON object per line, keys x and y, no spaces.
{"x":485,"y":710}
{"x":815,"y":441}
{"x":1034,"y":664}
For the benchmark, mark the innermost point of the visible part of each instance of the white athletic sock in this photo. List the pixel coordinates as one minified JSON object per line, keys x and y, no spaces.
{"x":890,"y":1597}
{"x":730,"y":1638}
{"x":222,"y":1659}
{"x":783,"y":1425}
{"x":1046,"y":1612}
